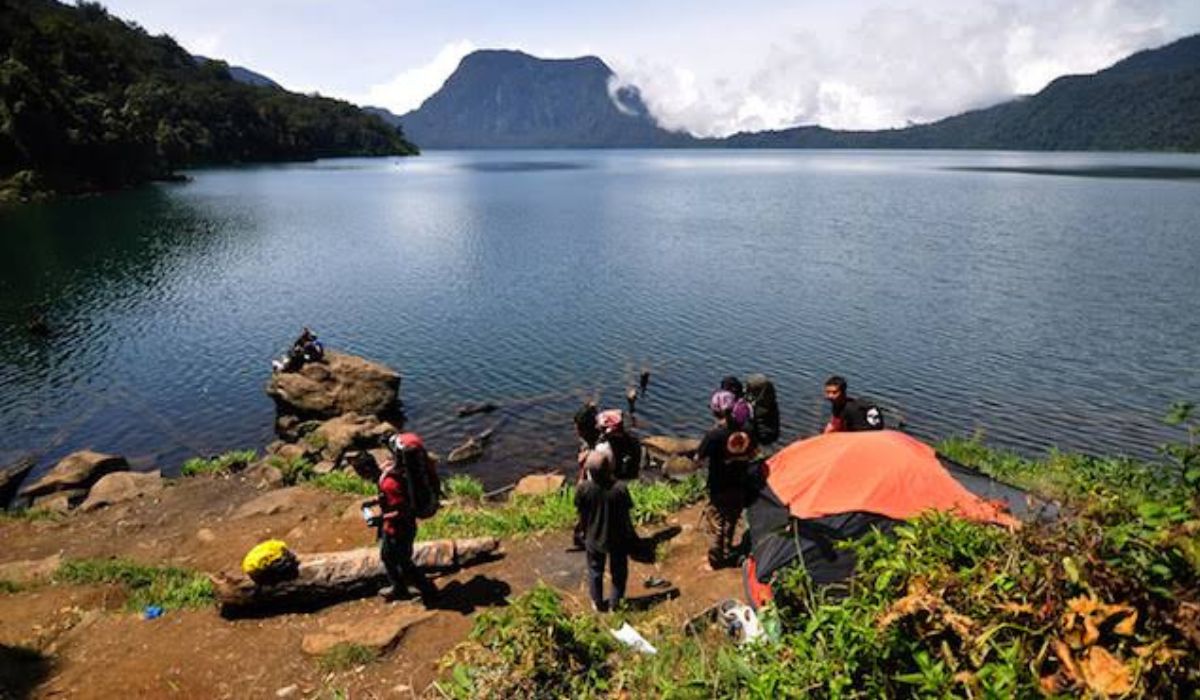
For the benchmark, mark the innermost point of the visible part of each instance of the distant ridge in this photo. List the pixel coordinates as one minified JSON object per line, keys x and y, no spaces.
{"x":1148,"y":101}
{"x":245,"y":76}
{"x":509,"y":99}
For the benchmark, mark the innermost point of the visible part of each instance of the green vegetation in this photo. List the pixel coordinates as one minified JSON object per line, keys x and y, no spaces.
{"x":295,"y":470}
{"x":92,"y":102}
{"x":169,"y":587}
{"x":221,"y":464}
{"x":1104,"y":601}
{"x":7,"y":586}
{"x":464,"y":488}
{"x":345,"y":656}
{"x":29,"y":515}
{"x":525,"y":515}
{"x":344,"y":482}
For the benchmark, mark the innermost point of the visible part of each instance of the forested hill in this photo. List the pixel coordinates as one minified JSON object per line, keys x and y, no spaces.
{"x":1148,"y":101}
{"x":90,"y":102}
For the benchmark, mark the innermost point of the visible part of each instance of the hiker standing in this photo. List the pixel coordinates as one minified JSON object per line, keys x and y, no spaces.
{"x":399,"y":516}
{"x":727,"y":449}
{"x":605,"y":509}
{"x":849,"y":415}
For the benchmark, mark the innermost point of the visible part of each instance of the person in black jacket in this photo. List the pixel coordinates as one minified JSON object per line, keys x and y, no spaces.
{"x":605,"y":509}
{"x":846,"y":414}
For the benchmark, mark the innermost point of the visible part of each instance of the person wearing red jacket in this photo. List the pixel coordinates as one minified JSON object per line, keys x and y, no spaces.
{"x":398,"y":528}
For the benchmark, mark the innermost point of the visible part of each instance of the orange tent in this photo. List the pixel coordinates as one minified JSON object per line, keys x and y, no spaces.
{"x":883,"y":472}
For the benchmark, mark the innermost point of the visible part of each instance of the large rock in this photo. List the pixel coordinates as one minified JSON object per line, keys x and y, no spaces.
{"x":664,"y":446}
{"x":341,"y":384}
{"x":538,"y":484}
{"x":469,"y":451}
{"x":122,"y":486}
{"x":11,"y":477}
{"x":30,"y":570}
{"x":351,"y":431}
{"x":59,"y":501}
{"x":76,"y":471}
{"x":375,"y":631}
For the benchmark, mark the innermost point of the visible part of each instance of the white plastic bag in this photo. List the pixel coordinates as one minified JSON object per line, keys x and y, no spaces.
{"x":631,"y":638}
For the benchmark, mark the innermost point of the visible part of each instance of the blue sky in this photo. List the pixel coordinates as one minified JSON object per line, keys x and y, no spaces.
{"x":710,"y":67}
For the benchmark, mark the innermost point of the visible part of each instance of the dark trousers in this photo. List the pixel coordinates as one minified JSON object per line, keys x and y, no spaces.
{"x":726,"y":510}
{"x":396,"y":551}
{"x":618,"y":562}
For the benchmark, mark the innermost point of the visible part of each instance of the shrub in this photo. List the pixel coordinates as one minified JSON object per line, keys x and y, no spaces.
{"x":221,"y":464}
{"x":168,"y":587}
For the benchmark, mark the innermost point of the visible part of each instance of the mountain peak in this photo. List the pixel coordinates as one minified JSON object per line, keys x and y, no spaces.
{"x":503,"y":98}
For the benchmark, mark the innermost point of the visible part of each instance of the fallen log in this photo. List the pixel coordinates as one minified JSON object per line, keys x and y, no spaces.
{"x":329,"y":577}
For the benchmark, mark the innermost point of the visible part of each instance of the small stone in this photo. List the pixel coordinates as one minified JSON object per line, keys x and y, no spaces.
{"x":287,"y":692}
{"x":205,"y":535}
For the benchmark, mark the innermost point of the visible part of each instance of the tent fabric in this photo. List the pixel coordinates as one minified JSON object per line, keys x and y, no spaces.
{"x":883,"y":472}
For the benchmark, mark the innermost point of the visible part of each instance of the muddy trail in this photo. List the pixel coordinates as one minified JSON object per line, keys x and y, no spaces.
{"x":83,"y":641}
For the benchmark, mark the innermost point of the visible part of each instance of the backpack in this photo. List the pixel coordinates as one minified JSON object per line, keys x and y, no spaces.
{"x":627,"y":456}
{"x":424,"y":486}
{"x":760,"y":392}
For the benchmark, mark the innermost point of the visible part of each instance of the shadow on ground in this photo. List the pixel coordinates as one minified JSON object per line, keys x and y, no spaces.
{"x":21,"y":670}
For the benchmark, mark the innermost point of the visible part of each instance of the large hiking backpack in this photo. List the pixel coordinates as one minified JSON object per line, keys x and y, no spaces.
{"x":627,"y":455}
{"x":424,"y":486}
{"x":760,"y":392}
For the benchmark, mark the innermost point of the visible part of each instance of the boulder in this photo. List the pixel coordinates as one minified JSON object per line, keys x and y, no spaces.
{"x":59,"y":501}
{"x":76,"y":471}
{"x":263,"y":475}
{"x":11,"y":477}
{"x":341,"y":384}
{"x":538,"y":484}
{"x":269,"y":503}
{"x":679,"y":466}
{"x":375,"y":631}
{"x":122,"y":486}
{"x":351,"y":431}
{"x":664,"y":446}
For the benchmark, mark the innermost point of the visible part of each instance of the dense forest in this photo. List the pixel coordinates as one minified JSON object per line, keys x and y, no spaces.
{"x":91,"y":102}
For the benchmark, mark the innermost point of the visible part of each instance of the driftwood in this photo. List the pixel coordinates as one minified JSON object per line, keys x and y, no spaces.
{"x":333,"y":576}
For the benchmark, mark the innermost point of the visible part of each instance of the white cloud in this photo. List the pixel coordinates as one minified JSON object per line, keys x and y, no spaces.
{"x":409,"y":89}
{"x":900,"y":64}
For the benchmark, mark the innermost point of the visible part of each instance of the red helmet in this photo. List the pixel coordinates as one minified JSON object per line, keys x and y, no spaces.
{"x":406,"y":441}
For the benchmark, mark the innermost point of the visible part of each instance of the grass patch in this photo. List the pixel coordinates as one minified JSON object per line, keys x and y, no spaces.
{"x":7,"y":586}
{"x":345,"y":656}
{"x":344,"y":482}
{"x":295,"y":470}
{"x":29,"y":515}
{"x":464,"y":488}
{"x":221,"y":464}
{"x":170,"y":587}
{"x":527,"y":515}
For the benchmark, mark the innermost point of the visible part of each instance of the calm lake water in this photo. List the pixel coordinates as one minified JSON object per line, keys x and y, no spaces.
{"x":1042,"y":309}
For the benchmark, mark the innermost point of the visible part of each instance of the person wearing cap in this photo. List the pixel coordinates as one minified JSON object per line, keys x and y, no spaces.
{"x":605,"y":508}
{"x":398,"y":529}
{"x":727,"y":449}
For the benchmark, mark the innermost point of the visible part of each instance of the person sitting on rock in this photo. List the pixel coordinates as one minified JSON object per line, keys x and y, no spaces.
{"x":306,"y":348}
{"x":605,"y":508}
{"x":398,"y":528}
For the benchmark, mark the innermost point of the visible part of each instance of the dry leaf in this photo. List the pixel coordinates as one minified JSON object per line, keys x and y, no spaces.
{"x":1125,"y":627}
{"x":1070,"y":668}
{"x":1105,"y":674}
{"x":1017,"y":608}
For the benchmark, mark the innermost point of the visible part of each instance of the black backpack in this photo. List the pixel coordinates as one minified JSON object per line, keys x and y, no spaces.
{"x":627,"y":456}
{"x":424,"y":486}
{"x":760,"y":392}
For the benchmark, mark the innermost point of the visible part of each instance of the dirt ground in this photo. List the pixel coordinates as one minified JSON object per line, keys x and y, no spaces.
{"x":92,"y":647}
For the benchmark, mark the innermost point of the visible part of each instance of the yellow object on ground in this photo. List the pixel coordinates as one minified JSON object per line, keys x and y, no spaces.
{"x":263,"y":556}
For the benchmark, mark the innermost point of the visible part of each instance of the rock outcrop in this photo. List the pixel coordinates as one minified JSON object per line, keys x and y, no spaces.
{"x":11,"y":477}
{"x":74,"y":474}
{"x":538,"y":484}
{"x":351,"y":431}
{"x":375,"y":631}
{"x":340,"y":384}
{"x":119,"y":487}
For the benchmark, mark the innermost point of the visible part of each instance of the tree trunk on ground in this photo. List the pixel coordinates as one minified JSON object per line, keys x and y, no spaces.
{"x":328,"y":577}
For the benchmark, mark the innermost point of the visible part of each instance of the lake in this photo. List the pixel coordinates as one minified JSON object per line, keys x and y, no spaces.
{"x":1035,"y":297}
